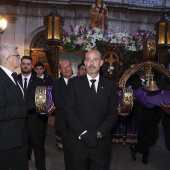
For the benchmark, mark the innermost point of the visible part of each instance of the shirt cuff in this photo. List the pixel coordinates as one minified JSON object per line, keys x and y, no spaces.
{"x":82,"y":134}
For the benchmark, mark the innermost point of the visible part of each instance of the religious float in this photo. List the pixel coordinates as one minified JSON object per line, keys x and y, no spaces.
{"x":123,"y":55}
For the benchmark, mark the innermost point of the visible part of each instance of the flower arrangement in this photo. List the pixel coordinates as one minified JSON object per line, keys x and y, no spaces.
{"x":83,"y":39}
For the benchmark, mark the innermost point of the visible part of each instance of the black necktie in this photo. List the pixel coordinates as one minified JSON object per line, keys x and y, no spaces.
{"x":93,"y":85}
{"x":93,"y":89}
{"x":14,"y":75}
{"x":25,"y":85}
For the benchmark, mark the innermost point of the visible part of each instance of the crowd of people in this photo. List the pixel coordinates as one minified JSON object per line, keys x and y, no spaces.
{"x":85,"y":113}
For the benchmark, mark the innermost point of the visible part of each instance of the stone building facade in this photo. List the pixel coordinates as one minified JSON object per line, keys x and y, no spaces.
{"x":25,"y":19}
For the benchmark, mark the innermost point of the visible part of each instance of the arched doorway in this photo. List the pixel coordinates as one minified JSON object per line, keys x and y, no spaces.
{"x":37,"y":51}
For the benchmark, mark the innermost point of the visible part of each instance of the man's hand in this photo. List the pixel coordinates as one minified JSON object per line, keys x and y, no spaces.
{"x":90,"y":139}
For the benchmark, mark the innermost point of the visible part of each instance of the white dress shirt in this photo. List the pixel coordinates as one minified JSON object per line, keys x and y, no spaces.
{"x":8,"y":72}
{"x":28,"y":79}
{"x":96,"y":82}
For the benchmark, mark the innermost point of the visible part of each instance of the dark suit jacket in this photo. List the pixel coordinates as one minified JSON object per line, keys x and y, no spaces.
{"x":59,"y":91}
{"x":82,"y":114}
{"x":13,"y":112}
{"x":47,"y":80}
{"x":30,"y":92}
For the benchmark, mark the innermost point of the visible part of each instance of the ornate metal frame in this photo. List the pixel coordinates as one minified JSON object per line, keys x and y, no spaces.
{"x":145,"y":64}
{"x":126,"y":94}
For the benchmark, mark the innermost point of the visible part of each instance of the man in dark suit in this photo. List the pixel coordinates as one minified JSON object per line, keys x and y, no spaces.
{"x":146,"y":122}
{"x":35,"y":120}
{"x":59,"y":91}
{"x":90,"y":112}
{"x":39,"y":70}
{"x":13,"y":113}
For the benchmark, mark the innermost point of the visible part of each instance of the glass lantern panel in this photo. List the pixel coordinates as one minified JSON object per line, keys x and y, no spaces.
{"x":3,"y":23}
{"x":168,"y":34}
{"x":161,"y":33}
{"x":49,"y":34}
{"x":57,"y":28}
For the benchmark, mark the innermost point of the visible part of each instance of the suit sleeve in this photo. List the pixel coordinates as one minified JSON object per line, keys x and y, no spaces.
{"x":56,"y":95}
{"x":70,"y":116}
{"x":112,"y":113}
{"x":10,"y":108}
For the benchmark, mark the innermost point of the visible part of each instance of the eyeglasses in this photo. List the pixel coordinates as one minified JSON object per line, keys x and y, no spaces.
{"x":17,"y":56}
{"x":66,"y":67}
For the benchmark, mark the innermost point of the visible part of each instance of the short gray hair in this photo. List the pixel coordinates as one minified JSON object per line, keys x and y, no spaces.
{"x":6,"y":50}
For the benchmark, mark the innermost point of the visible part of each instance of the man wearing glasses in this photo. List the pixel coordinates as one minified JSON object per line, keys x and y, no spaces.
{"x":59,"y":91}
{"x":13,"y":113}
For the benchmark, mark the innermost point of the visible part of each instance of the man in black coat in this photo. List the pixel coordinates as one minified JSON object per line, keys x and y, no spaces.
{"x":90,"y":112}
{"x":13,"y":113}
{"x":35,"y":120}
{"x":39,"y":70}
{"x":59,"y":91}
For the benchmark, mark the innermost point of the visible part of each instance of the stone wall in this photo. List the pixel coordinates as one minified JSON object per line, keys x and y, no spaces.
{"x":26,"y":17}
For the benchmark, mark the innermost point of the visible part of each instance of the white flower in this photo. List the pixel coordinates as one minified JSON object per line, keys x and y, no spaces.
{"x":89,"y":46}
{"x":113,"y":40}
{"x":82,"y":38}
{"x":67,"y":39}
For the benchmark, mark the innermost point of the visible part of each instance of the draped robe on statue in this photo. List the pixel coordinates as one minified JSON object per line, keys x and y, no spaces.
{"x":99,"y":16}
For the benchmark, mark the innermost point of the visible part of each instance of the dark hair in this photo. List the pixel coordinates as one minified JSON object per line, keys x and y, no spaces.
{"x":39,"y":64}
{"x":26,"y":57}
{"x":81,"y":64}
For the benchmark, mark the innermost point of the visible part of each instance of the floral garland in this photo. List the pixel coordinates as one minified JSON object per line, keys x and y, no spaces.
{"x":83,"y":39}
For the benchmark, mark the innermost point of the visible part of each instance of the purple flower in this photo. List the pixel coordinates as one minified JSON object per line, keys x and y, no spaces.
{"x":72,"y":29}
{"x":65,"y":33}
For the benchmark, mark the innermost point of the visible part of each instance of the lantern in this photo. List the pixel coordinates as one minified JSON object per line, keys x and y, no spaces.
{"x":163,"y":31}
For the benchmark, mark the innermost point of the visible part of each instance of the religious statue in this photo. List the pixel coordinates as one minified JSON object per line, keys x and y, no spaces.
{"x":99,"y":14}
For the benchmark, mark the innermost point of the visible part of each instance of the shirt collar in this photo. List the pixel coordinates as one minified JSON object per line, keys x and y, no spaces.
{"x":7,"y":71}
{"x":96,"y":78}
{"x":28,"y":78}
{"x":66,"y":80}
{"x":42,"y":77}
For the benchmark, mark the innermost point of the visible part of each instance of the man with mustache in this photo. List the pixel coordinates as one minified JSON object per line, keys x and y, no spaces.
{"x":29,"y":82}
{"x":90,"y":112}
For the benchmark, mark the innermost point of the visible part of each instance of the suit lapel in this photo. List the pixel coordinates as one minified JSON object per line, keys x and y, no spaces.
{"x":15,"y":90}
{"x":20,"y":80}
{"x":101,"y":90}
{"x":30,"y":84}
{"x":62,"y":82}
{"x":86,"y":88}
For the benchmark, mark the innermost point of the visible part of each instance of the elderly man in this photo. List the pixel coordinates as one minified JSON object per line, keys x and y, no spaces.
{"x":13,"y":113}
{"x":90,"y":112}
{"x":59,"y":91}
